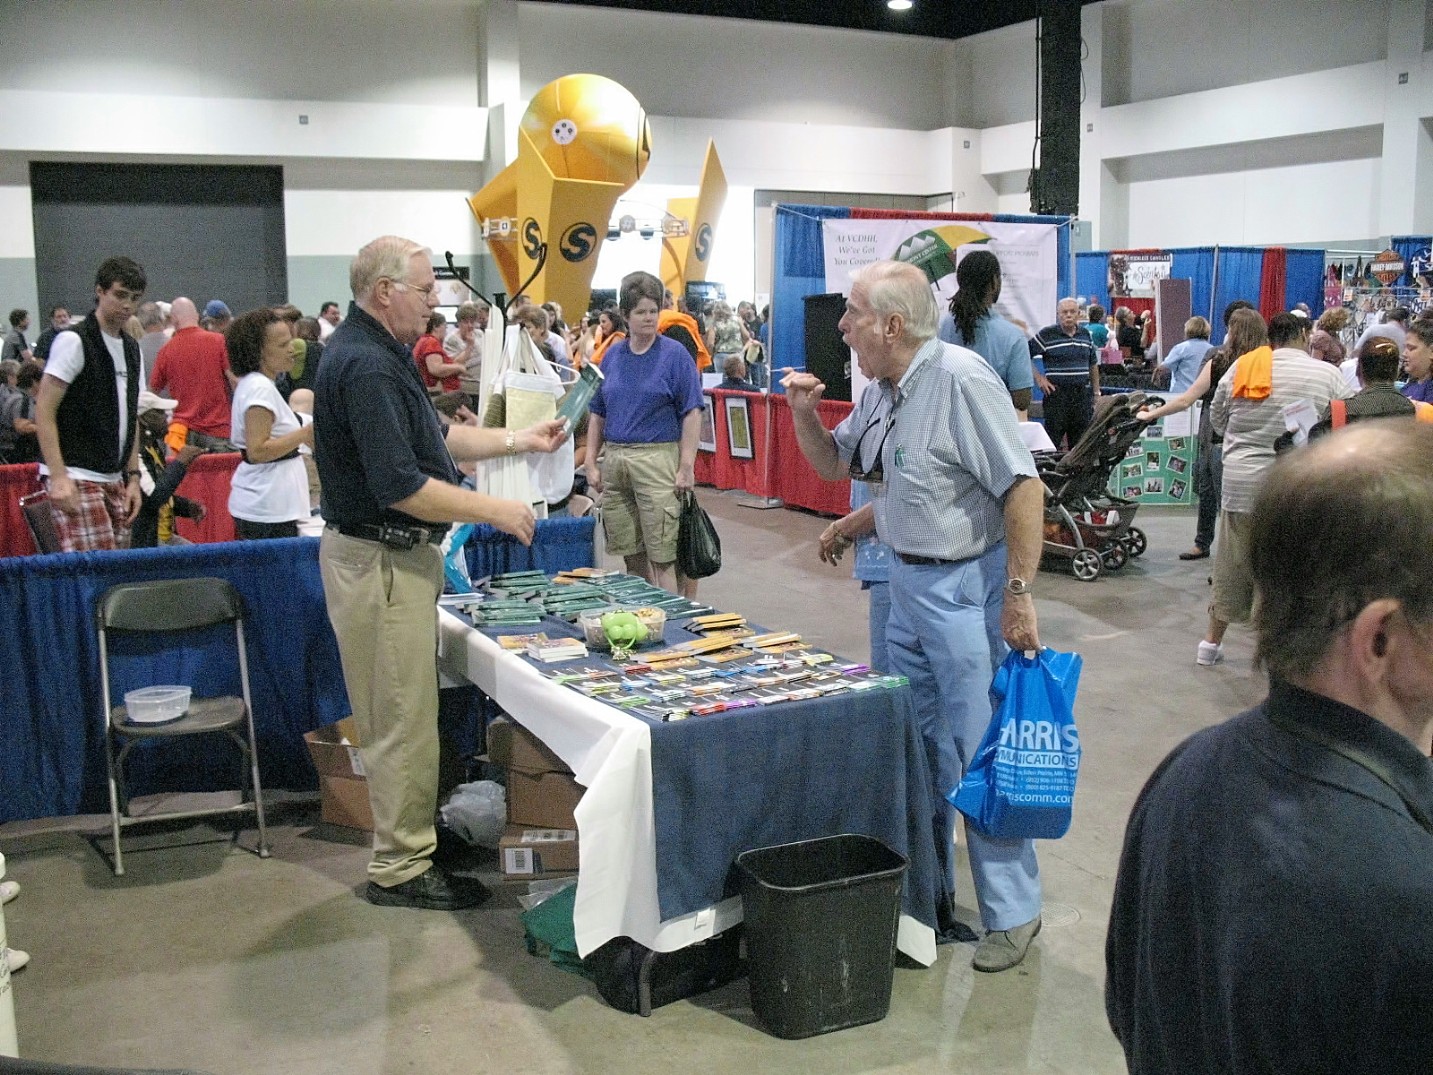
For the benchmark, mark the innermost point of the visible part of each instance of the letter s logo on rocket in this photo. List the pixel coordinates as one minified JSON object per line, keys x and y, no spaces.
{"x":578,"y":242}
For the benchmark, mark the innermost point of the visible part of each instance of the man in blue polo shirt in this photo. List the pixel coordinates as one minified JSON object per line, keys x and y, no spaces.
{"x":390,"y":491}
{"x":1073,"y":372}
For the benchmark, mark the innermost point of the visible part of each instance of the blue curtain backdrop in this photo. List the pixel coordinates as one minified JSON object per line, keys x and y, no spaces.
{"x":1239,"y":273}
{"x":1092,"y":277}
{"x":799,"y":262}
{"x":51,"y":728}
{"x":799,"y":267}
{"x":1410,"y":247}
{"x":560,"y":544}
{"x":1304,"y":280}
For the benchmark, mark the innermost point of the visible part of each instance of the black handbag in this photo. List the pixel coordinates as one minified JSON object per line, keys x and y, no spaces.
{"x":698,"y":546}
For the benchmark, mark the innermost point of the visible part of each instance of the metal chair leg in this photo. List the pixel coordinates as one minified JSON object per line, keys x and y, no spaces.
{"x":118,"y":863}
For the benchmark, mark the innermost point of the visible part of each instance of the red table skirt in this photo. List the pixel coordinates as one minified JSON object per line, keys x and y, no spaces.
{"x":777,"y":467}
{"x":207,"y":482}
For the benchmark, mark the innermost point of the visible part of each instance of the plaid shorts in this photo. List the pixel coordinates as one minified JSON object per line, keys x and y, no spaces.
{"x":100,"y":522}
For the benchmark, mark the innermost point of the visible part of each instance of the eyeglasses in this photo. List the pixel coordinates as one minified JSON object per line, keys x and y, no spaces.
{"x":877,"y":473}
{"x":427,"y":290}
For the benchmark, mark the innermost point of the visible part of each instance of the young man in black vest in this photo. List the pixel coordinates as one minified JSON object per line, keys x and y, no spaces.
{"x":86,"y":413}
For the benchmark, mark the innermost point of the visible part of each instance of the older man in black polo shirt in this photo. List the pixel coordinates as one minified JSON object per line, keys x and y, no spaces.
{"x":389,"y":494}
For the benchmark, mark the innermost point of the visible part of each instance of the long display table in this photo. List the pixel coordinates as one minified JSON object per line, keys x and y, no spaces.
{"x":668,"y":807}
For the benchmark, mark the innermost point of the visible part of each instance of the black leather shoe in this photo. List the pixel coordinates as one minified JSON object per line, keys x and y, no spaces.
{"x":431,"y":890}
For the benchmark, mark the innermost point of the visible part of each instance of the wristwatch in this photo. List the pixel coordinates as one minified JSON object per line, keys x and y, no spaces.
{"x":1019,"y":587}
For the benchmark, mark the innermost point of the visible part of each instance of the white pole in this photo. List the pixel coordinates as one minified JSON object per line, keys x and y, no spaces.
{"x":9,"y":1044}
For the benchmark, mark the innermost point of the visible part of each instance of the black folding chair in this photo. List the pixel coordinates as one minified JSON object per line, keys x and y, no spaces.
{"x":167,"y":609}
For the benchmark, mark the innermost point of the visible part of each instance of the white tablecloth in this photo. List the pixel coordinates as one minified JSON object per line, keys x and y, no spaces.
{"x":610,"y":755}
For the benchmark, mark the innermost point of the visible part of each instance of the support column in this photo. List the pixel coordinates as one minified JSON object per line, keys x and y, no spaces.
{"x":1406,"y":171}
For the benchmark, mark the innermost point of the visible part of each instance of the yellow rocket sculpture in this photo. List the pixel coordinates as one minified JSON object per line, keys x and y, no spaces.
{"x":583,"y":142}
{"x":687,"y":257}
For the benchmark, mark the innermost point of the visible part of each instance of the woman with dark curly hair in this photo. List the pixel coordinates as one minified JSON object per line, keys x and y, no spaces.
{"x":269,"y":493}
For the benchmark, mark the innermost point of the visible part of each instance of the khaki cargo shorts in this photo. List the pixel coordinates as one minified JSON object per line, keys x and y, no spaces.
{"x":640,"y":509}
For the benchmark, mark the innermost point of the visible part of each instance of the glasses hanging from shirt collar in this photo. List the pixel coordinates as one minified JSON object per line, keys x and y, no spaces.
{"x":877,"y":473}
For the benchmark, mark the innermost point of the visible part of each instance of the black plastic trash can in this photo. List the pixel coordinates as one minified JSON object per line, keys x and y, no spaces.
{"x":821,"y":932}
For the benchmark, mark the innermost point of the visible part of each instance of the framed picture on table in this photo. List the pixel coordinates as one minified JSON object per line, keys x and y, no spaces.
{"x":738,"y":428}
{"x":706,"y":439}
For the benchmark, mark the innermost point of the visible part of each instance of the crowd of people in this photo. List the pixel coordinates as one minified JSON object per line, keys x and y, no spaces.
{"x":947,"y":508}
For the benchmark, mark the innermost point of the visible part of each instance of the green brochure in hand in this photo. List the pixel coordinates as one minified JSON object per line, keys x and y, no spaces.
{"x":574,"y":404}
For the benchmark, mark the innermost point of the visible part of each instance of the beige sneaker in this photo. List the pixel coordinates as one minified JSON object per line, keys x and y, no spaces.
{"x":1005,"y":948}
{"x":17,"y":959}
{"x":9,"y":890}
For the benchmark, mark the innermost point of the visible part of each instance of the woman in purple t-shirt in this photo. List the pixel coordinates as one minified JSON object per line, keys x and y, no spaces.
{"x":1418,"y":361}
{"x":648,"y":410}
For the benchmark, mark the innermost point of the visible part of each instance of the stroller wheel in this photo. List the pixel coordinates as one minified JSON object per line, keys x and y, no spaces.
{"x":1116,"y":556}
{"x":1135,"y":541}
{"x":1086,"y":565}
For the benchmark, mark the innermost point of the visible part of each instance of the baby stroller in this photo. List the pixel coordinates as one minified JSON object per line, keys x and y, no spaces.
{"x":1085,"y":524}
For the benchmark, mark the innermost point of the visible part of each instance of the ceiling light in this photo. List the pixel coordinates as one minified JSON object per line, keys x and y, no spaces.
{"x":899,"y":5}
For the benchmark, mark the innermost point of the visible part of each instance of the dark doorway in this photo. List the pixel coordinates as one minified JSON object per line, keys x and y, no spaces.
{"x":205,"y":231}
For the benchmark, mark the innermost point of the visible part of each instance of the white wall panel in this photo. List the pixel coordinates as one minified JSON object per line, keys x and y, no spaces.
{"x":409,"y":52}
{"x":1184,"y":46}
{"x":48,"y":122}
{"x":335,"y":207}
{"x":997,"y":77}
{"x":713,"y":68}
{"x":1264,"y":207}
{"x":796,"y":156}
{"x":17,"y":230}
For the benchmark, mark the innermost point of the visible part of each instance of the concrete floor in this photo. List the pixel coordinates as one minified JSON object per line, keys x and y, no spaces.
{"x":208,"y":958}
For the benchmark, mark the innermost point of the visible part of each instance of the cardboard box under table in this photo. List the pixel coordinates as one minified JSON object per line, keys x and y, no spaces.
{"x":668,"y":807}
{"x":526,"y":853}
{"x":342,"y":782}
{"x":542,"y":793}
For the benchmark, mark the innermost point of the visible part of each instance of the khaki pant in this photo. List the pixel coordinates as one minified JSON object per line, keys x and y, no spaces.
{"x":383,"y":606}
{"x":1233,"y":598}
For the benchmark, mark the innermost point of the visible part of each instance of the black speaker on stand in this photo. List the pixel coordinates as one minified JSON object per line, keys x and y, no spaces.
{"x":827,"y":356}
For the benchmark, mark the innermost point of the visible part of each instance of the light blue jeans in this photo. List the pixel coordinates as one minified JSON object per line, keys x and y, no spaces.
{"x":944,"y":636}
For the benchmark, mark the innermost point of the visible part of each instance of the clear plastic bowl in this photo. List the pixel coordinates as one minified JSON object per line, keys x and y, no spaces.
{"x":155,"y":705}
{"x":590,"y":622}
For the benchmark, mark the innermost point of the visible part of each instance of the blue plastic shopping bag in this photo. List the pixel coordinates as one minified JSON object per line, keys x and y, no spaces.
{"x":455,"y":559}
{"x":1021,"y":782}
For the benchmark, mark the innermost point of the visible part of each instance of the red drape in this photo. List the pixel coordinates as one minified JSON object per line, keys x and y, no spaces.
{"x":207,"y":482}
{"x":20,"y":479}
{"x":792,"y":477}
{"x":906,"y":214}
{"x":1273,"y":283}
{"x":778,"y":469}
{"x":728,"y":471}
